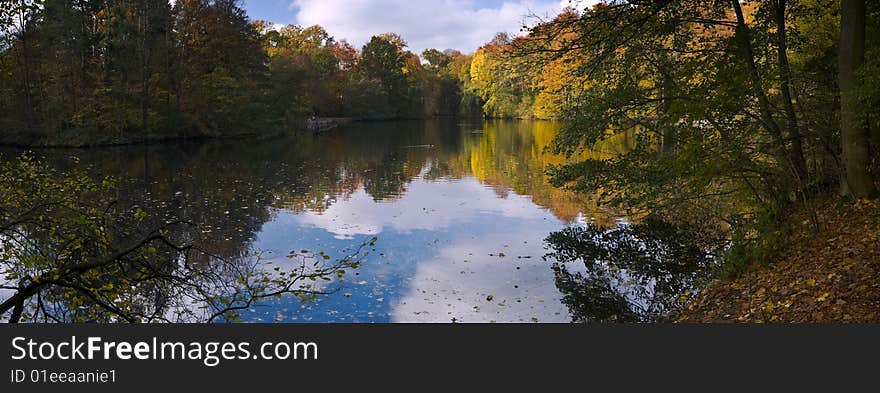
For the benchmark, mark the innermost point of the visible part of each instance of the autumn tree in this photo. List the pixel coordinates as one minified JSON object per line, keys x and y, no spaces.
{"x":378,"y":86}
{"x":222,"y":64}
{"x":504,"y":82}
{"x":304,"y":72}
{"x":19,"y":24}
{"x":437,"y":59}
{"x":728,"y":100}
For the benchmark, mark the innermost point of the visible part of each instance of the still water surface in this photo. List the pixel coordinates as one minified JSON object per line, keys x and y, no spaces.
{"x":460,"y":209}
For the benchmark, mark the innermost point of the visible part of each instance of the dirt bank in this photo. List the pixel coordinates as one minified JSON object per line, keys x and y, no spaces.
{"x":828,"y":275}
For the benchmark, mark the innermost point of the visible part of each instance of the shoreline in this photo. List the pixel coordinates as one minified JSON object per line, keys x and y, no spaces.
{"x":322,"y":124}
{"x":825,"y":275}
{"x":142,"y":142}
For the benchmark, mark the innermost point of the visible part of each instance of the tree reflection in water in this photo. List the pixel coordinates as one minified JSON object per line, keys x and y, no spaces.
{"x":230,"y":198}
{"x":74,"y":249}
{"x":639,"y":272}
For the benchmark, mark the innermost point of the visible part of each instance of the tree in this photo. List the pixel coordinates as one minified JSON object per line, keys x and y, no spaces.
{"x":854,"y":133}
{"x":19,"y":24}
{"x":725,"y":101}
{"x":503,"y":81}
{"x":222,"y":66}
{"x":309,"y":56}
{"x":137,"y":40}
{"x":438,"y":60}
{"x":382,"y":62}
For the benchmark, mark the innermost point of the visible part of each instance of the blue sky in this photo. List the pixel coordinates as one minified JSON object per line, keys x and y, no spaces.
{"x":441,"y":24}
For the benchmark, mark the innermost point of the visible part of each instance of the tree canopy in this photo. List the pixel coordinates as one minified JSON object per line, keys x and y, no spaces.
{"x":102,"y":72}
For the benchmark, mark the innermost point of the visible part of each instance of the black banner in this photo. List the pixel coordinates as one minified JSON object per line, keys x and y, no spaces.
{"x":39,"y":358}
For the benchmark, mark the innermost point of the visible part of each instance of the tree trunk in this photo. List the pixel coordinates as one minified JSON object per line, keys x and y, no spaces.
{"x":853,"y":125}
{"x":794,"y":133}
{"x":25,"y":60}
{"x":744,"y":36}
{"x":145,"y":65}
{"x":669,"y":125}
{"x":874,"y":133}
{"x":17,"y":311}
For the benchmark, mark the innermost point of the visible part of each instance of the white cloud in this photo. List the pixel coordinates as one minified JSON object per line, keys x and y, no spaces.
{"x":442,"y":24}
{"x":466,"y":283}
{"x":425,"y":206}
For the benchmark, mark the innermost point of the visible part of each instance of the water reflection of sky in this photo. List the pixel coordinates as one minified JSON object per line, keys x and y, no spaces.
{"x":438,"y":258}
{"x":445,"y":200}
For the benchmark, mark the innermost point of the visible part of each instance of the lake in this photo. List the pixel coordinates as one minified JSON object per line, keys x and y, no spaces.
{"x":460,"y":210}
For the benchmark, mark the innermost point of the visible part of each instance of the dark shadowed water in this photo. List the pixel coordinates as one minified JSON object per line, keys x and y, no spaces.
{"x":461,"y":211}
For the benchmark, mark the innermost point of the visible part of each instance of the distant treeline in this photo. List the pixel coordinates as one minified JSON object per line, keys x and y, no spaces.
{"x":98,"y":72}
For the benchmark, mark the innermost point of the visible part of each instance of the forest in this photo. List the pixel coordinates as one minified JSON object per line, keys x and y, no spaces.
{"x":79,"y":73}
{"x":754,"y":122}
